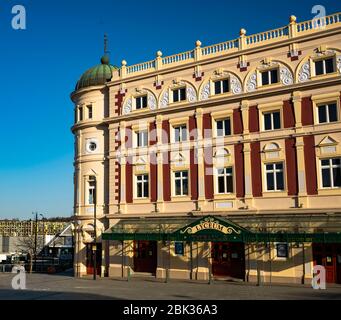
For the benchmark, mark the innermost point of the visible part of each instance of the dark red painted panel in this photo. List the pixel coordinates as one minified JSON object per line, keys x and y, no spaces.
{"x":307,"y":111}
{"x":166,"y":177}
{"x":194,"y":175}
{"x":165,"y":131}
{"x":129,"y":180}
{"x":129,"y":137}
{"x":291,"y":166}
{"x":192,"y":127}
{"x":256,"y":169}
{"x":153,"y":177}
{"x":310,"y":164}
{"x":288,"y":114}
{"x":152,"y":133}
{"x":237,"y":121}
{"x":253,"y":119}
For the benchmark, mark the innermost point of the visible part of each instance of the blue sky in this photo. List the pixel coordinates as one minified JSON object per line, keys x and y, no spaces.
{"x":40,"y":67}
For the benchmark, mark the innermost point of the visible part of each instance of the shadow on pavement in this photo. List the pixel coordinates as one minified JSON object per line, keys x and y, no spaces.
{"x":7,"y":294}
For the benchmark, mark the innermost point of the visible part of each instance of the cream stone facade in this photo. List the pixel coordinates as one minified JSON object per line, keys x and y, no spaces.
{"x":253,"y":106}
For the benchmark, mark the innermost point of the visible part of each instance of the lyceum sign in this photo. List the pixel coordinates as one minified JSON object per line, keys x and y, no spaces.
{"x":210,"y":223}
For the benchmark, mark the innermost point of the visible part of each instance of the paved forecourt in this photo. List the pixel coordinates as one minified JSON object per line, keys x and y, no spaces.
{"x":61,"y":287}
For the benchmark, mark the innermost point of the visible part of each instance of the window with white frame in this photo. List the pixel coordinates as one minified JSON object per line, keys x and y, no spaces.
{"x":324,"y":66}
{"x":181,"y":183}
{"x":91,"y":190}
{"x":274,"y":176}
{"x":223,"y":127}
{"x":142,"y":138}
{"x":179,"y":94}
{"x":269,"y":77}
{"x":327,"y":112}
{"x":225,"y":180}
{"x":142,"y":186}
{"x":272,"y":120}
{"x":221,"y":86}
{"x":141,"y":102}
{"x":80,"y":113}
{"x":331,"y":173}
{"x":180,"y":133}
{"x":90,"y":114}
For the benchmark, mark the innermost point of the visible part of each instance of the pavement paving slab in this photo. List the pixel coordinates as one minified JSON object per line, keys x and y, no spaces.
{"x":66,"y":287}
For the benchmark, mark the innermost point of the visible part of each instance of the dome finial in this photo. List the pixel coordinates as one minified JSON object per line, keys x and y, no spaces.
{"x":105,"y":59}
{"x":106,"y":52}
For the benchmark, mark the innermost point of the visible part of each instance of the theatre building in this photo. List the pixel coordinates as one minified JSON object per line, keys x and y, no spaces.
{"x":221,"y":162}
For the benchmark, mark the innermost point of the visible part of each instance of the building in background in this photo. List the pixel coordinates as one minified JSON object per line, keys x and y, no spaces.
{"x":221,"y":161}
{"x":13,"y":231}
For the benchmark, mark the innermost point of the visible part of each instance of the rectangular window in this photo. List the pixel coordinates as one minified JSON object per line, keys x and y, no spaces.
{"x":180,"y":133}
{"x":331,"y":173}
{"x":92,"y":189}
{"x":272,"y":120}
{"x":142,"y":139}
{"x":141,"y":102}
{"x":324,"y":66}
{"x":274,"y":176}
{"x":80,"y":114}
{"x":221,"y":86}
{"x":225,"y":180}
{"x":327,"y":113}
{"x":223,"y":127}
{"x":89,"y":111}
{"x":269,"y":77}
{"x":179,"y":95}
{"x":181,"y":183}
{"x":142,"y":186}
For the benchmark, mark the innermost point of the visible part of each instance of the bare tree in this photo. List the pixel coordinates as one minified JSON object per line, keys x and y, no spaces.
{"x":30,"y":246}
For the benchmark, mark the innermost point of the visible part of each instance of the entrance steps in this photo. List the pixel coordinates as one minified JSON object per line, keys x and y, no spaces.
{"x":228,"y":279}
{"x":142,"y":275}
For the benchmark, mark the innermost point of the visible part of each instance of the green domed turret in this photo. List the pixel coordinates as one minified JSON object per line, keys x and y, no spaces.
{"x":98,"y":75}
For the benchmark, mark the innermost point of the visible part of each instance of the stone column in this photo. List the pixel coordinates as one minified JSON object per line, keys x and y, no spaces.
{"x":297,"y":101}
{"x":245,"y":115}
{"x":123,"y":167}
{"x":159,"y":163}
{"x":247,"y":153}
{"x":113,"y":146}
{"x":302,"y":191}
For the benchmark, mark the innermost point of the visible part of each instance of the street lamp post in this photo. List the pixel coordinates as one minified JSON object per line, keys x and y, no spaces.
{"x":95,"y":229}
{"x":35,"y":241}
{"x":43,"y":220}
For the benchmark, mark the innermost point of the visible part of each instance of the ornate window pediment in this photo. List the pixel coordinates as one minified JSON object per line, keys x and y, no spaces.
{"x":327,"y":141}
{"x":307,"y":69}
{"x":166,"y":97}
{"x":207,"y":89}
{"x":254,"y":79}
{"x":328,"y":145}
{"x":222,"y":153}
{"x":270,"y":147}
{"x":129,"y":104}
{"x":272,"y":151}
{"x":179,"y":159}
{"x":140,"y":162}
